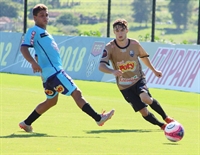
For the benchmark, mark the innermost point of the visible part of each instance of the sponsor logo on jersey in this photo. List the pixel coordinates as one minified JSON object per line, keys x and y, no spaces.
{"x":126,"y":66}
{"x":32,"y":37}
{"x":127,"y":81}
{"x":44,"y":34}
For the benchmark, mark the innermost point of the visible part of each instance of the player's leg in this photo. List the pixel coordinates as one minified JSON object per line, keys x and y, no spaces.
{"x":46,"y":105}
{"x":153,"y":104}
{"x":52,"y":98}
{"x":145,"y":97}
{"x":85,"y":106}
{"x":82,"y":104}
{"x":148,"y":116}
{"x":68,"y":87}
{"x":131,"y":96}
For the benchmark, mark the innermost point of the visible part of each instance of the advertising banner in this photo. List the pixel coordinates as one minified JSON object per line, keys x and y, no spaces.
{"x":180,"y":64}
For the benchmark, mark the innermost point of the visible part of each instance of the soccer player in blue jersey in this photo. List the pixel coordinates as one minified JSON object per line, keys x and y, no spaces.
{"x":47,"y":61}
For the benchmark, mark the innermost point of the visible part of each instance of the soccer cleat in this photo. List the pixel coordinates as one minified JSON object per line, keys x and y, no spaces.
{"x":163,"y":126}
{"x":27,"y":128}
{"x":169,"y":120}
{"x":105,"y":117}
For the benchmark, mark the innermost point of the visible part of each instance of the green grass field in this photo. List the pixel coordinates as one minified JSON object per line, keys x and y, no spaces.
{"x":66,"y":130}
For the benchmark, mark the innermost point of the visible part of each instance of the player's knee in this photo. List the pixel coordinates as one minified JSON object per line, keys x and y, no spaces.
{"x":52,"y":102}
{"x":146,"y":99}
{"x":77,"y":94}
{"x":144,"y":112}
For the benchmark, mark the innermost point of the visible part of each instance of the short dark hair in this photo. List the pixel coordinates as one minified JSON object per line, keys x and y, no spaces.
{"x":38,"y":8}
{"x":120,"y":22}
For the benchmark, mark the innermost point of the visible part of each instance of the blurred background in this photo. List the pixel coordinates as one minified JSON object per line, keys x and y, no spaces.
{"x":172,"y":21}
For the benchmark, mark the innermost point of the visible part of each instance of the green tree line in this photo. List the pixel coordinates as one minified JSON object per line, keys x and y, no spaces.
{"x":180,"y":10}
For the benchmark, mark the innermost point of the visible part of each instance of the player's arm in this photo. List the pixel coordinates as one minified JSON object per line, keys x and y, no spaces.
{"x":147,"y":62}
{"x":25,"y":52}
{"x":145,"y":59}
{"x":104,"y":68}
{"x":104,"y":63}
{"x":36,"y":58}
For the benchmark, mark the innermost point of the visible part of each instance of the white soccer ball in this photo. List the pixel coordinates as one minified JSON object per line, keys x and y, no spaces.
{"x":174,"y":131}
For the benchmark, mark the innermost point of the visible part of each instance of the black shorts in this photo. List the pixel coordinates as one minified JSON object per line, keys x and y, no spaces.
{"x":132,"y":93}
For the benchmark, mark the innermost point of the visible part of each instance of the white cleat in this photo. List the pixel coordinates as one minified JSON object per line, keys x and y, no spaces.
{"x":27,"y":128}
{"x":105,"y":117}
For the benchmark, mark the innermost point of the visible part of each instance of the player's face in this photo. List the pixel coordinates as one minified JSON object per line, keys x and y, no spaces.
{"x":42,"y":19}
{"x":120,"y":33}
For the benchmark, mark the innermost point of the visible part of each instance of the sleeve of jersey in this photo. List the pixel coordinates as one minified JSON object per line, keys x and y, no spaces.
{"x":142,"y":52}
{"x":29,"y":38}
{"x":105,"y":57}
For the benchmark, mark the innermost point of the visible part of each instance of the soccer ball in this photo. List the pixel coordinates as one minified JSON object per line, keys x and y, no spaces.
{"x":174,"y":131}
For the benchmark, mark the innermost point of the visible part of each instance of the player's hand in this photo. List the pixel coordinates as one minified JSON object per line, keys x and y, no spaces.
{"x":158,"y":73}
{"x":117,"y":73}
{"x":36,"y":67}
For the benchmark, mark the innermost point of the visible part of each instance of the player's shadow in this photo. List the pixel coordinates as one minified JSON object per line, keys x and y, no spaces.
{"x":34,"y":134}
{"x":26,"y":135}
{"x":122,"y":131}
{"x":172,"y":143}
